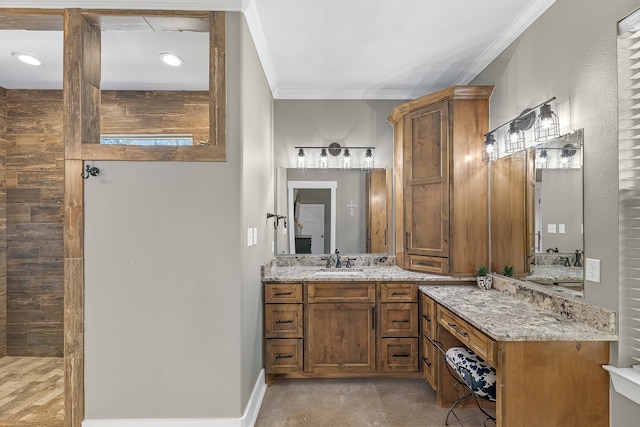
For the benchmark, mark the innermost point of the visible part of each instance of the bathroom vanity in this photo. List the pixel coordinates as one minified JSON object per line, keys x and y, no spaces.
{"x":374,"y":320}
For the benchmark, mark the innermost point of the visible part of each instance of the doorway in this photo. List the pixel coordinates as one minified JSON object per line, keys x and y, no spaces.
{"x":294,"y":212}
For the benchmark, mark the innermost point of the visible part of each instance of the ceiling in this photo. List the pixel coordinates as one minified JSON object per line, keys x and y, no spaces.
{"x":329,"y":49}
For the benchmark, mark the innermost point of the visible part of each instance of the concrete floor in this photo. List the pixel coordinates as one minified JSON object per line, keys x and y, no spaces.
{"x":384,"y":402}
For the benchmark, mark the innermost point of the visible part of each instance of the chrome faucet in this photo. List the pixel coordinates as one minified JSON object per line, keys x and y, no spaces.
{"x":338,"y":262}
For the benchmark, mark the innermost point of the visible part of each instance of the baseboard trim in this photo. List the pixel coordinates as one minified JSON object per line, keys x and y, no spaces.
{"x":248,"y":418}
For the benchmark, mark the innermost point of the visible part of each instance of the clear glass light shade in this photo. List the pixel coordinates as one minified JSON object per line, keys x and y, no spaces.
{"x":301,"y":161}
{"x":514,"y":139}
{"x":543,"y":158}
{"x":323,"y":161}
{"x":347,"y":160}
{"x":367,"y":161}
{"x":547,"y":125}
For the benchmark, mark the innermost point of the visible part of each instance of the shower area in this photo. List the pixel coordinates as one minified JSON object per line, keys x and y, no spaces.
{"x":31,"y":255}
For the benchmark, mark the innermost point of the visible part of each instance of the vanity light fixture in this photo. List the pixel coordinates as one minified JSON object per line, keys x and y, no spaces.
{"x":490,"y":151}
{"x":566,"y":157}
{"x":514,"y":139}
{"x":547,"y":125}
{"x":347,"y":161}
{"x":543,"y":157}
{"x":367,"y":161}
{"x":171,"y":59}
{"x":26,"y":58}
{"x":301,"y":162}
{"x":323,"y":161}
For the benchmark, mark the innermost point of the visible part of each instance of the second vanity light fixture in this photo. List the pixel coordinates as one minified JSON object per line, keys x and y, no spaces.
{"x":345,"y":162}
{"x":546,"y":128}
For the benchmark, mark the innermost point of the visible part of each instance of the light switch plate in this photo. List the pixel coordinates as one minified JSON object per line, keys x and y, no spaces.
{"x":255,"y":235}
{"x":561,"y":228}
{"x":551,"y":228}
{"x":249,"y":236}
{"x":592,"y":270}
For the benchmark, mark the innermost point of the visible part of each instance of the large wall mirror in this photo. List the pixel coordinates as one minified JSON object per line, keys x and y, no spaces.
{"x":536,"y":200}
{"x":345,"y":210}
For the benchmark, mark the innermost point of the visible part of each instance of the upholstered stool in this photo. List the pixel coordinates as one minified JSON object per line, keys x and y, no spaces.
{"x":476,"y":373}
{"x":471,"y":372}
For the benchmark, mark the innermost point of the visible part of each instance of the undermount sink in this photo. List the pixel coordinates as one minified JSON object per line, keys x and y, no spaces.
{"x":339,"y":273}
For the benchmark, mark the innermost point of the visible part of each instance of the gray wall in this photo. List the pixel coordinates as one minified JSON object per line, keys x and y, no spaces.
{"x":570,"y":53}
{"x":317,"y":123}
{"x":173,"y":305}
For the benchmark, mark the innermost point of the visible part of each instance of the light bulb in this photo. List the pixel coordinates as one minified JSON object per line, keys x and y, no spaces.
{"x":347,"y":161}
{"x":324,"y":160}
{"x":301,"y":160}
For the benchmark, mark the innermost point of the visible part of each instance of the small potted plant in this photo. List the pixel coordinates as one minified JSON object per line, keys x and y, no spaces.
{"x":484,"y":281}
{"x":508,"y":270}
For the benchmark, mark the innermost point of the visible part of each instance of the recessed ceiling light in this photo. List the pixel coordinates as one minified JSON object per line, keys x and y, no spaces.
{"x":171,"y":59}
{"x":26,"y":58}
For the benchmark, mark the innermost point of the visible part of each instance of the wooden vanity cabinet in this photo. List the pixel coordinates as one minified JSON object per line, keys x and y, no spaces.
{"x":333,"y":329}
{"x":399,"y":327}
{"x":428,"y":354}
{"x":341,"y":327}
{"x":441,"y":181}
{"x":283,"y":328}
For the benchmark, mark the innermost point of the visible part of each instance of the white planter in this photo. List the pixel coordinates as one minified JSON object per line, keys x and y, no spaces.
{"x":485,"y":282}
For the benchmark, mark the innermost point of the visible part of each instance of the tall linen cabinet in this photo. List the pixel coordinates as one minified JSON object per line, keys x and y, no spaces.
{"x":441,"y":181}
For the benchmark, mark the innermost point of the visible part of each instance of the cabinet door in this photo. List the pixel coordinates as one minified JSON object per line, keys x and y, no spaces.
{"x":378,"y":211}
{"x":426,"y":181}
{"x":341,"y":337}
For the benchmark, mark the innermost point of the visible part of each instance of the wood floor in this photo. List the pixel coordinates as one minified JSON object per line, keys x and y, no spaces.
{"x":31,"y":391}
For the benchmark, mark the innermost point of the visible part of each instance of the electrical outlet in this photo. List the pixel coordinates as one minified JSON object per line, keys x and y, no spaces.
{"x":592,"y":270}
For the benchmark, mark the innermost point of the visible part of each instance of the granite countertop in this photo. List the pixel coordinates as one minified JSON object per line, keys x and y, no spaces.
{"x":387,"y":273}
{"x":504,"y":317}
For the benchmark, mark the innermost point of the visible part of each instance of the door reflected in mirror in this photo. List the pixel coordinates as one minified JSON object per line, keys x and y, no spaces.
{"x":348,"y":211}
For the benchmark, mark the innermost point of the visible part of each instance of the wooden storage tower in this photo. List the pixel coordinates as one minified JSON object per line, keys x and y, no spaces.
{"x":441,"y":181}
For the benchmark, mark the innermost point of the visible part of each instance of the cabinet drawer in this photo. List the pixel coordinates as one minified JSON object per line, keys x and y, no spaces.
{"x":428,"y":309}
{"x":341,"y":292}
{"x":283,"y":321}
{"x":283,"y":356}
{"x":398,"y":292}
{"x":399,"y":319}
{"x":481,"y":344}
{"x":428,"y":264}
{"x":283,"y":292}
{"x":399,"y":354}
{"x":428,"y":355}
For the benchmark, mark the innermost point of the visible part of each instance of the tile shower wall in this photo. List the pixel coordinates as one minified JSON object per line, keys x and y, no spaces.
{"x":35,"y":189}
{"x":3,"y":223}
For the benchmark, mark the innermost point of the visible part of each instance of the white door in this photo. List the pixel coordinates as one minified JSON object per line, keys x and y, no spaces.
{"x":311,"y":219}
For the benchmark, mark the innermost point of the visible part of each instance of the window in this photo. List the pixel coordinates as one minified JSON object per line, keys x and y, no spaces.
{"x":140,"y":140}
{"x":629,"y":191}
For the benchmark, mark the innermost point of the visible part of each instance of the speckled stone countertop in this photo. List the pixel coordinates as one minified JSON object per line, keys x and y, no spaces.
{"x":365,"y":268}
{"x":505,"y":317}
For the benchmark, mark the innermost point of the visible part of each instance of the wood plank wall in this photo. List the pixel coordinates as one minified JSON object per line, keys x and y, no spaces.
{"x":35,"y":183}
{"x":35,"y":190}
{"x":3,"y":223}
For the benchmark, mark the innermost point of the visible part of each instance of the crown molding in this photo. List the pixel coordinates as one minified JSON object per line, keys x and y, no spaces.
{"x":257,"y":33}
{"x":382,"y":93}
{"x":508,"y":36}
{"x":217,"y":5}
